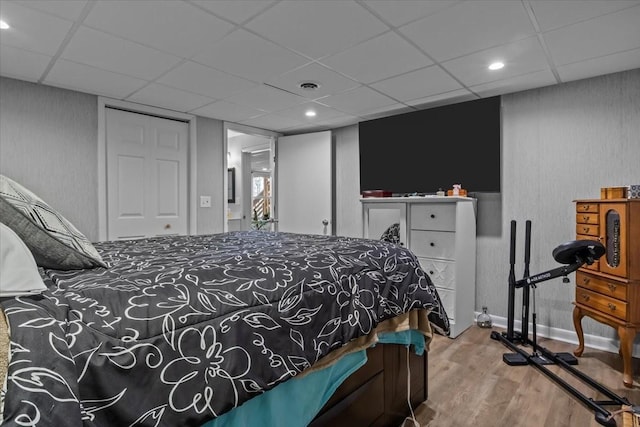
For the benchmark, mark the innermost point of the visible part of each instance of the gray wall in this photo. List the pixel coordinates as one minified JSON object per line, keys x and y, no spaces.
{"x":211,"y":172}
{"x":348,"y":206}
{"x":559,"y":143}
{"x":49,"y":144}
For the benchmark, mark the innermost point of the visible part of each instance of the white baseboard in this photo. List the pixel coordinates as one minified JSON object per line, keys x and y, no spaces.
{"x":599,"y":343}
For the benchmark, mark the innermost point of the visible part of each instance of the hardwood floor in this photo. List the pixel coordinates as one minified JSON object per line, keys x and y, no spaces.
{"x":470,"y":385}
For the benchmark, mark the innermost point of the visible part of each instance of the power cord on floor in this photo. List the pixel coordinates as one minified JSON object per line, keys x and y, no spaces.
{"x":413,"y":416}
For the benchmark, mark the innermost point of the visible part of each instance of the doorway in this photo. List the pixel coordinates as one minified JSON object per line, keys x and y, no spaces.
{"x":250,"y":160}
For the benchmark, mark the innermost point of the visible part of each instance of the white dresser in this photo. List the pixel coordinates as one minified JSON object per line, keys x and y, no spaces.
{"x":441,"y":232}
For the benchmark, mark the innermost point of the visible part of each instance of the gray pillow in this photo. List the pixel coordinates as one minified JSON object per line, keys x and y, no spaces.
{"x":392,"y":234}
{"x":52,"y":239}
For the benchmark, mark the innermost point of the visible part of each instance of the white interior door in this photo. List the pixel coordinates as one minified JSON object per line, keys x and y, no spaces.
{"x":146,"y":175}
{"x":304,"y":183}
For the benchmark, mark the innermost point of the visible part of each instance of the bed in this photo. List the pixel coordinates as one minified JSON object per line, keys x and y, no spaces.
{"x":193,"y":330}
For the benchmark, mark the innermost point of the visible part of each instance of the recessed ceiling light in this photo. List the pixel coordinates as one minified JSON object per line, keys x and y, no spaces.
{"x":496,"y":65}
{"x":310,"y":113}
{"x":4,"y":25}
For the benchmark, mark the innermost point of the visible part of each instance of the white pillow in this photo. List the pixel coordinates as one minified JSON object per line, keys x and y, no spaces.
{"x":18,"y":270}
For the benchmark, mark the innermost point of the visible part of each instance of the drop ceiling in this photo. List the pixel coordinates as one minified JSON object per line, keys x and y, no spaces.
{"x":243,"y":61}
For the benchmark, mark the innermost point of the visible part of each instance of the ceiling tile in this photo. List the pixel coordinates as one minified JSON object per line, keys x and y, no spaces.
{"x":388,"y":110}
{"x":32,"y":30}
{"x":243,"y":60}
{"x":223,"y":110}
{"x":358,"y":101}
{"x":88,"y":79}
{"x":515,"y":84}
{"x":376,"y":59}
{"x":613,"y":63}
{"x":329,"y":81}
{"x":522,"y":57}
{"x":555,"y":14}
{"x":297,"y":112}
{"x":239,"y":52}
{"x":317,"y":28}
{"x":593,"y":38}
{"x":344,"y":120}
{"x":234,"y":10}
{"x":266,"y":98}
{"x":167,"y":97}
{"x":295,"y":130}
{"x":437,"y":101}
{"x":468,"y":27}
{"x":272,"y":121}
{"x":458,"y":95}
{"x":410,"y":10}
{"x":171,"y":26}
{"x":67,"y":9}
{"x":22,"y":64}
{"x":117,"y":55}
{"x":197,"y":78}
{"x":418,"y":84}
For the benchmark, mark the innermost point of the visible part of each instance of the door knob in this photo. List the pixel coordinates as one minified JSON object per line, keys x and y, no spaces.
{"x":325,"y":222}
{"x":168,"y":226}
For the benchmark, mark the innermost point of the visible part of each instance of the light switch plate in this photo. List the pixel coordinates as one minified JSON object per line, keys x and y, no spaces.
{"x":205,"y":201}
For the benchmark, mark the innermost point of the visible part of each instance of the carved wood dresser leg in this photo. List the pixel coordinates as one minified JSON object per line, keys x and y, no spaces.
{"x":627,"y":336}
{"x":577,"y":324}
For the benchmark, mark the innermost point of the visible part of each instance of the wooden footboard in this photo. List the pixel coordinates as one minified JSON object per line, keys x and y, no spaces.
{"x":376,"y":394}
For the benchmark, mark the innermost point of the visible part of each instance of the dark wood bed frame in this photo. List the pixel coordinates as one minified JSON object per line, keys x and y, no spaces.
{"x":376,"y":394}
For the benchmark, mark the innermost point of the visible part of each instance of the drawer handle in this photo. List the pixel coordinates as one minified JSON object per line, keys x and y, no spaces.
{"x":585,"y":229}
{"x":612,"y":307}
{"x":432,"y":244}
{"x":612,"y":287}
{"x":433,"y":215}
{"x":585,"y":280}
{"x":585,"y":217}
{"x":586,"y":297}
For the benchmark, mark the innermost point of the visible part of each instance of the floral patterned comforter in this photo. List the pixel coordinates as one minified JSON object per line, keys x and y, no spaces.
{"x":181,"y":329}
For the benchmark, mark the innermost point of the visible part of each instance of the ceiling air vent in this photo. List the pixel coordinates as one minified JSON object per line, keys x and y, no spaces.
{"x":309,"y":85}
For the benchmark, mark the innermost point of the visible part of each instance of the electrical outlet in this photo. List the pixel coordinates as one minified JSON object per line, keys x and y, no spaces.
{"x":205,"y":201}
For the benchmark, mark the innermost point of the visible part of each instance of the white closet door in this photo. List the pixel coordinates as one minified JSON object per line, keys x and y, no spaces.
{"x":146,"y":175}
{"x":304,"y":186}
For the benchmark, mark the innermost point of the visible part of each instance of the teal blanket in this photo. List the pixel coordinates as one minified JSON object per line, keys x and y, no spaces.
{"x":294,"y":403}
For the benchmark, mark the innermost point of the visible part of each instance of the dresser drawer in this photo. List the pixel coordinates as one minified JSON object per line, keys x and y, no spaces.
{"x":433,"y":216}
{"x":448,"y":299}
{"x":602,"y":303}
{"x":587,"y":218}
{"x":592,"y":230}
{"x":433,"y":244}
{"x":587,"y":207}
{"x":596,"y":265}
{"x":602,"y":286}
{"x":441,"y":273}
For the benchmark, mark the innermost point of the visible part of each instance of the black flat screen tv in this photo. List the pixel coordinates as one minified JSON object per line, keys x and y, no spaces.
{"x":427,"y":150}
